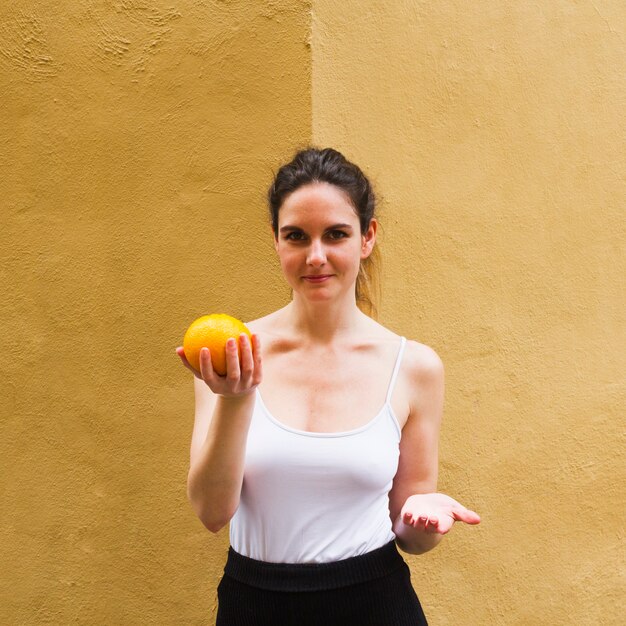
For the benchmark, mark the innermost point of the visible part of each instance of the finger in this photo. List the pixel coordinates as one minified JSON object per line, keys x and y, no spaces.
{"x":433,"y":522}
{"x":181,"y":353}
{"x":258,"y":367}
{"x":407,"y":518}
{"x":434,"y":526}
{"x":247,"y":361}
{"x":206,"y":367}
{"x":445,"y":524}
{"x":233,"y":371}
{"x":467,"y":516}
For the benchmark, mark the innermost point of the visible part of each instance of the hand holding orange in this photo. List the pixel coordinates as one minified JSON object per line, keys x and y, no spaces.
{"x":212,"y":332}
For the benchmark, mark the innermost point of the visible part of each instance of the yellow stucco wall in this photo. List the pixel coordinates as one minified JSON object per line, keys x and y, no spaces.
{"x":138,"y":139}
{"x":495,"y":131}
{"x":137,"y":142}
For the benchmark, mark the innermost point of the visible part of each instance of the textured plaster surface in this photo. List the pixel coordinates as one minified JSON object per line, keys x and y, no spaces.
{"x":137,"y":141}
{"x":495,"y":132}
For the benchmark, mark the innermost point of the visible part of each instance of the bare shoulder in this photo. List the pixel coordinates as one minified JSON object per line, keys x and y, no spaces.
{"x":424,"y":382}
{"x":266,"y":324}
{"x":422,"y":362}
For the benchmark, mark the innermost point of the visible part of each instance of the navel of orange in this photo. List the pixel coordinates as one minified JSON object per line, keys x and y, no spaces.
{"x":212,"y":331}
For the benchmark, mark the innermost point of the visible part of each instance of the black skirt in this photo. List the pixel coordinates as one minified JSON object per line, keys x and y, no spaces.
{"x":373,"y":589}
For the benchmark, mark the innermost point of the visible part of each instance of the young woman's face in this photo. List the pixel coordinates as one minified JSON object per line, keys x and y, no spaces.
{"x":319,"y":241}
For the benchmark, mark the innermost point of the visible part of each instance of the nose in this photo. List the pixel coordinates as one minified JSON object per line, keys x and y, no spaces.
{"x":316,"y":255}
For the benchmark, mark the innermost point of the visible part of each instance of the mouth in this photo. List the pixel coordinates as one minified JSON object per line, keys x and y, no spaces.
{"x":317,"y":278}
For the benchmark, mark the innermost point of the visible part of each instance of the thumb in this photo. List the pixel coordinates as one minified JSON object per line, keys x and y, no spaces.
{"x":467,"y":516}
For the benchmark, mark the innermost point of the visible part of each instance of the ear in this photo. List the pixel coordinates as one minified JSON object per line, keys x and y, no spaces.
{"x":369,"y":239}
{"x":274,"y":238}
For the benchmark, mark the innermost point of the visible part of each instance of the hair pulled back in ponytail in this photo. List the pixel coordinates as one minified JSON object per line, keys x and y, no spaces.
{"x":312,"y":165}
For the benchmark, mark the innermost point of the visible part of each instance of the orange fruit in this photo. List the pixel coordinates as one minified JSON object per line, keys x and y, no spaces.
{"x":212,"y":332}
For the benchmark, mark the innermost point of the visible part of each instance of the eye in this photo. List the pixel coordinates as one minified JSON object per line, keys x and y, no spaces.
{"x":294,"y":235}
{"x":337,"y":234}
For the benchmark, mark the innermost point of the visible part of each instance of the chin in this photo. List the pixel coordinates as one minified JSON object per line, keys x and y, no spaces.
{"x":317,"y":294}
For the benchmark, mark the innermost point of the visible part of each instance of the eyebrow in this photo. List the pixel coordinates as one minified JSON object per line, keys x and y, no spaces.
{"x":289,"y":227}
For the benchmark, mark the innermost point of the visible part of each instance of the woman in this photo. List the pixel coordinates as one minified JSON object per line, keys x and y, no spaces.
{"x":320,"y":445}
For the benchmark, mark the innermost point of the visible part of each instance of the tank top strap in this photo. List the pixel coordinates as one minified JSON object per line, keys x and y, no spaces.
{"x":396,"y":368}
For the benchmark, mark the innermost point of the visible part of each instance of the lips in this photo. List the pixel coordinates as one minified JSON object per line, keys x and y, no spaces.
{"x":317,"y":278}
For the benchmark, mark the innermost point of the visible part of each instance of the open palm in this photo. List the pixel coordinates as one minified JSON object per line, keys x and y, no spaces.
{"x":435,"y":512}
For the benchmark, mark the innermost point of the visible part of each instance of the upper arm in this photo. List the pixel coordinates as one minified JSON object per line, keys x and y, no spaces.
{"x":204,"y":404}
{"x":419,"y":444}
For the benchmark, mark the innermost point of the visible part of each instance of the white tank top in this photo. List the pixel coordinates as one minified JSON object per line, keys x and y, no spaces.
{"x":316,"y":497}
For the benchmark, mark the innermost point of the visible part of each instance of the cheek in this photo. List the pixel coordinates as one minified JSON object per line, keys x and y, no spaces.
{"x":287,"y":260}
{"x":357,"y":254}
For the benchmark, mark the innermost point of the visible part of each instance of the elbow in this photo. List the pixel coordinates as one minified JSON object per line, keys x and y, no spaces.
{"x":211,"y":517}
{"x":213,"y":525}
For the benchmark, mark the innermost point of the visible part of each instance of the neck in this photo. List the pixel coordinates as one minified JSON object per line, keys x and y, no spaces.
{"x":323,"y":322}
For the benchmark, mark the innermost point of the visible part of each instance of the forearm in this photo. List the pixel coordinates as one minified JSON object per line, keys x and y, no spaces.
{"x":216,"y":476}
{"x":412,"y":540}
